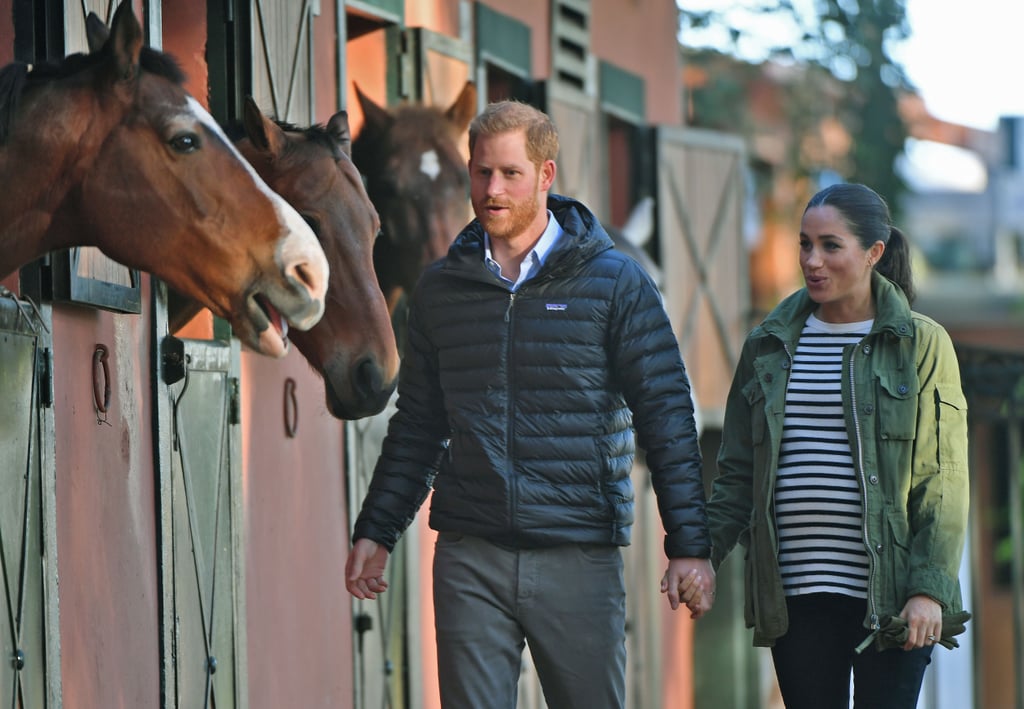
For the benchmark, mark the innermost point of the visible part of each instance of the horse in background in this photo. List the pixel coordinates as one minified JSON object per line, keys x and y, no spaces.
{"x":418,"y":180}
{"x":108,"y":150}
{"x":635,"y":235}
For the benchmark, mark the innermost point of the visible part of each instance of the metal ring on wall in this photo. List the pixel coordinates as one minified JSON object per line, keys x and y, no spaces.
{"x":101,"y":382}
{"x":291,"y":408}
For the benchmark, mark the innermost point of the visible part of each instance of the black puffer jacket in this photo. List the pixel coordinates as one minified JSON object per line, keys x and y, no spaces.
{"x":521,"y":402}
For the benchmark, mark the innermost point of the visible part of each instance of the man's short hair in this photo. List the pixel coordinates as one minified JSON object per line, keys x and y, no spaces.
{"x":508,"y":116}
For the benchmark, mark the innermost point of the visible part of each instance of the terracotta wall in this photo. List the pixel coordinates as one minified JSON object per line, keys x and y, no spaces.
{"x":639,"y":36}
{"x":6,"y":32}
{"x":106,"y":521}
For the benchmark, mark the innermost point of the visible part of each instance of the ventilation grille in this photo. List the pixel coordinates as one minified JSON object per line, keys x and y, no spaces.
{"x":572,"y":62}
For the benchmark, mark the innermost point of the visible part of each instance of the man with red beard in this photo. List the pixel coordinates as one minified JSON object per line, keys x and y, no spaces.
{"x":537,"y":354}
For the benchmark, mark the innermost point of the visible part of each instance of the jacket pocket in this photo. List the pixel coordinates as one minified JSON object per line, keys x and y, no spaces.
{"x":897,"y":549}
{"x":897,"y":405}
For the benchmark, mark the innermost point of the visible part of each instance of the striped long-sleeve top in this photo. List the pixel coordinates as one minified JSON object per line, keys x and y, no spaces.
{"x":817,"y":500}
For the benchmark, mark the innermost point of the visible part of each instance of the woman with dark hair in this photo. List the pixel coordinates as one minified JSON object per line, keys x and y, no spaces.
{"x":843,"y":469}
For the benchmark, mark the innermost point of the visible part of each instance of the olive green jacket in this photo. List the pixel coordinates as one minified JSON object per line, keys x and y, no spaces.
{"x":906,"y":416}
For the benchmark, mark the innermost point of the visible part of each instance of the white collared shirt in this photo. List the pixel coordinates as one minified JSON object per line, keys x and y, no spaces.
{"x":533,"y":260}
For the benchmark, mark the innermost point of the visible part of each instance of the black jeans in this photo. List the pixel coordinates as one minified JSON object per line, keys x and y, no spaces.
{"x":814,"y":658}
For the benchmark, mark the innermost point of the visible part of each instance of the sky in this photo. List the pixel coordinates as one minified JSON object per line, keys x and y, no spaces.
{"x":965,"y":57}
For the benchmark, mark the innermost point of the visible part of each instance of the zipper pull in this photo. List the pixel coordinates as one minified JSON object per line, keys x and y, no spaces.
{"x":508,"y":310}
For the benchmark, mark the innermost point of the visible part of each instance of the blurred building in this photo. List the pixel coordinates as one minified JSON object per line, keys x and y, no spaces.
{"x":970,"y":268}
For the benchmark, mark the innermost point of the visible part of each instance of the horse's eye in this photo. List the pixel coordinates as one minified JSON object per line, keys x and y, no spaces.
{"x":314,"y":224}
{"x":185,"y":143}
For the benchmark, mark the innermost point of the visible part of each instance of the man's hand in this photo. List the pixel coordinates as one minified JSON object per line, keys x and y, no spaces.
{"x":364,"y":572}
{"x":690,"y":581}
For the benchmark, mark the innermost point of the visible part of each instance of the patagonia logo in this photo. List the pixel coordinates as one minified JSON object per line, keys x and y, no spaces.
{"x":558,"y":307}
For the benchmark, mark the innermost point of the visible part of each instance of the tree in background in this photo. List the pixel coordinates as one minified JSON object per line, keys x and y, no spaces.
{"x":834,"y":71}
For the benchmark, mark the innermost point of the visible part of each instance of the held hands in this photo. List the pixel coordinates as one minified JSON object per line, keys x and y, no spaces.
{"x":690,"y":581}
{"x":364,"y":571}
{"x":924,"y":621}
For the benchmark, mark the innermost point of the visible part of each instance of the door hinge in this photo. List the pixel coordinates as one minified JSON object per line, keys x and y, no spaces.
{"x":44,"y":375}
{"x":173,"y":360}
{"x":234,"y":401}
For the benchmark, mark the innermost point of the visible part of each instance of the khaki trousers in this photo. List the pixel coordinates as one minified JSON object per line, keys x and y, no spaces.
{"x":568,"y":603}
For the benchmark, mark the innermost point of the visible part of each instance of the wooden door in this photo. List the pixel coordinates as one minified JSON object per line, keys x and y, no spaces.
{"x":581,"y":173}
{"x":282,"y":58}
{"x":700,"y":183}
{"x":700,"y":188}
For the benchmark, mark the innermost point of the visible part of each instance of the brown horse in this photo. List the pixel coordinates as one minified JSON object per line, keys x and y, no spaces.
{"x":108,"y":150}
{"x":353,"y":347}
{"x":419,"y":182}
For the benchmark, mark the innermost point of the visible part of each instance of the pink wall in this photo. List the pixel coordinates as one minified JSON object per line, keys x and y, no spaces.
{"x":298,"y":614}
{"x":640,"y":37}
{"x":6,"y":32}
{"x":440,"y":16}
{"x":106,"y":526}
{"x":325,"y":46}
{"x":184,"y":28}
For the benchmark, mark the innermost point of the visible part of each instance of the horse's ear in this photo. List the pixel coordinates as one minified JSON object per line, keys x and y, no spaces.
{"x":126,"y":36}
{"x":265,"y":135}
{"x":374,"y":116}
{"x":460,"y":113}
{"x":96,"y":32}
{"x":338,"y":129}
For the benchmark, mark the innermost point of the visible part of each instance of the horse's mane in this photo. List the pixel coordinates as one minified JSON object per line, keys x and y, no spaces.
{"x":18,"y":77}
{"x":12,"y":80}
{"x":316,"y":134}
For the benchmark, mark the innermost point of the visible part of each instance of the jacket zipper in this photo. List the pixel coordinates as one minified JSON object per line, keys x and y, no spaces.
{"x":770,"y":512}
{"x":513,"y":497}
{"x":864,"y":493}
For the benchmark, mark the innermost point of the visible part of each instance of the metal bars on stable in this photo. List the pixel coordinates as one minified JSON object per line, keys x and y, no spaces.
{"x":29,"y":640}
{"x":200,"y":509}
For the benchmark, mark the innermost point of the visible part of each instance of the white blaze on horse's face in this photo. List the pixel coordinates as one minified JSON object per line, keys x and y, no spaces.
{"x":298,"y":250}
{"x":430,"y":165}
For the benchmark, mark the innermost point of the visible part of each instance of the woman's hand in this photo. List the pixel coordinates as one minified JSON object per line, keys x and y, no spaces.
{"x":924,"y":621}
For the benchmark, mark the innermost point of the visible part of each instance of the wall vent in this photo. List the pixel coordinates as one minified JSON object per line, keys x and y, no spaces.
{"x":573,"y":65}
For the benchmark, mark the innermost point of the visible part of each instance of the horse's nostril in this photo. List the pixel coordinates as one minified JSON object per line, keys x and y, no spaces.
{"x":367,"y":378}
{"x":308,"y":277}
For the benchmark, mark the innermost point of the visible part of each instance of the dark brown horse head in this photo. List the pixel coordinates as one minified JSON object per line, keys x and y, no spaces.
{"x":353,"y":346}
{"x":418,"y":180}
{"x":109,"y":150}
